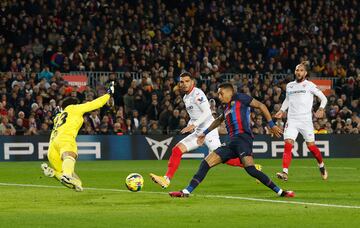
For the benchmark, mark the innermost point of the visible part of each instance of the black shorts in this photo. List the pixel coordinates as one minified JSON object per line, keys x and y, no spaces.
{"x":238,"y":147}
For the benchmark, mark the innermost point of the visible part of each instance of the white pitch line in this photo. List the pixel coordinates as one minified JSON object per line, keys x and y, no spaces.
{"x":205,"y":196}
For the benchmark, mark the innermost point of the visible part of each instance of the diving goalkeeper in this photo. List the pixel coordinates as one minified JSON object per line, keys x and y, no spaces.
{"x":62,"y":152}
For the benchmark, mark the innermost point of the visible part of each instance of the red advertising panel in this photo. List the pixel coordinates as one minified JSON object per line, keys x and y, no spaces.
{"x":324,"y":85}
{"x":76,"y":80}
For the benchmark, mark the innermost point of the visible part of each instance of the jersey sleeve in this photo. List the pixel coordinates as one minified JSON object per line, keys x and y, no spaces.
{"x":285,"y":104}
{"x":92,"y":105}
{"x":317,"y":92}
{"x":202,"y":102}
{"x":244,"y":98}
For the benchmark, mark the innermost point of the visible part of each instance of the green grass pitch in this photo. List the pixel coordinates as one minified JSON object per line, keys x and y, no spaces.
{"x":228,"y":197}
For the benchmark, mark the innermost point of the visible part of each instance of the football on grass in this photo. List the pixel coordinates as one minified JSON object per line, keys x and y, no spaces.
{"x":134,"y":182}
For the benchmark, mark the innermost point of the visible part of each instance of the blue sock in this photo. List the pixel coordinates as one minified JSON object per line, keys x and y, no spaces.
{"x":252,"y":171}
{"x":199,"y":176}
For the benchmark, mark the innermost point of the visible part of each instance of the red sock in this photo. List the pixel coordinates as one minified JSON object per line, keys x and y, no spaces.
{"x":287,"y":156}
{"x":316,"y":152}
{"x":174,"y":162}
{"x":235,"y":162}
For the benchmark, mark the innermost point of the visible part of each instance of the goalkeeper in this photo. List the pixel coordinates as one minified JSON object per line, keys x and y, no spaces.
{"x":62,"y":153}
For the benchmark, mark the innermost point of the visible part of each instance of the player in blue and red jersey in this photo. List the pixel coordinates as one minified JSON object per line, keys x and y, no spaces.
{"x":237,"y":118}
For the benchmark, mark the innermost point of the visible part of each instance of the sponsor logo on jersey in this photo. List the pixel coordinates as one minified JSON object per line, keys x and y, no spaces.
{"x":201,"y":99}
{"x":297,"y":91}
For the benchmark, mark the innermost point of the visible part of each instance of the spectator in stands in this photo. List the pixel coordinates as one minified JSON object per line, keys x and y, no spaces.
{"x":45,"y":73}
{"x":44,"y":130}
{"x":153,"y":110}
{"x":158,"y":49}
{"x":154,"y":129}
{"x":6,"y":128}
{"x":174,"y":121}
{"x":129,"y":101}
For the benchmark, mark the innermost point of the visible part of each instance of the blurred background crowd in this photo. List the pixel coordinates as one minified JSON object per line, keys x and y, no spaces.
{"x":252,"y":40}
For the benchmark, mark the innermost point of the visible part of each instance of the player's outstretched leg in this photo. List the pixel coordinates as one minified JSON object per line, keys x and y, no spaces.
{"x":287,"y":157}
{"x":317,"y":154}
{"x":237,"y":162}
{"x":263,"y":178}
{"x":173,"y":165}
{"x":210,"y":161}
{"x":68,"y":178}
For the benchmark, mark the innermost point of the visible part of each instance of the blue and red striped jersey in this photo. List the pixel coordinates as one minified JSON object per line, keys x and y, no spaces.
{"x":237,"y":115}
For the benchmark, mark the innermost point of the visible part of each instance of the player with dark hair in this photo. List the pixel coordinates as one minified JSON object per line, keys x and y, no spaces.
{"x":237,"y":119}
{"x":198,"y":108}
{"x":62,"y":152}
{"x":299,"y":101}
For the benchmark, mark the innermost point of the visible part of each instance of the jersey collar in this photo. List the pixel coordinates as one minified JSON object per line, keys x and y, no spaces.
{"x":191,"y":90}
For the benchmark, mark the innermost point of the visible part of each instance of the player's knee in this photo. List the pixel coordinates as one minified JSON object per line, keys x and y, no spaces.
{"x":290,"y":141}
{"x":309,"y":144}
{"x":251,"y":170}
{"x":69,"y":154}
{"x":179,"y":148}
{"x":213,"y":159}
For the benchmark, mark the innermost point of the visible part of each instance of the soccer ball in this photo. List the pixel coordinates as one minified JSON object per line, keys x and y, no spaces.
{"x":134,"y":182}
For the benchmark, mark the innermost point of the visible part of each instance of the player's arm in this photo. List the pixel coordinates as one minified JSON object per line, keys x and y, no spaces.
{"x":317,"y":92}
{"x":216,"y":123}
{"x":92,"y":105}
{"x":203,"y":105}
{"x":97,"y":103}
{"x":275,"y":129}
{"x":284,"y":107}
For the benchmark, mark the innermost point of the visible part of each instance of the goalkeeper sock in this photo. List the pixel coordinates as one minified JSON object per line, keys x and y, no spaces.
{"x":316,"y":152}
{"x":174,"y":162}
{"x":287,"y":156}
{"x":199,"y":176}
{"x":68,"y":165}
{"x":252,"y":171}
{"x":235,"y":162}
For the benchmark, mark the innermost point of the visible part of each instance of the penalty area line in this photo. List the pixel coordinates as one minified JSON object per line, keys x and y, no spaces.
{"x":196,"y":195}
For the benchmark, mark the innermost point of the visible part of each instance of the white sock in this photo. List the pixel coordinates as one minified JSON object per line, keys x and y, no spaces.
{"x":321,"y":165}
{"x":285,"y":170}
{"x":280,"y":192}
{"x":185,"y":191}
{"x":167,"y":178}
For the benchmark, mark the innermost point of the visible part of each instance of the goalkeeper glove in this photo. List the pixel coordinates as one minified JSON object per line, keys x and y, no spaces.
{"x":111,"y":88}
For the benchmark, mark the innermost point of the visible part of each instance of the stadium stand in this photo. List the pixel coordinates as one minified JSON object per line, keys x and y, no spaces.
{"x":145,"y":45}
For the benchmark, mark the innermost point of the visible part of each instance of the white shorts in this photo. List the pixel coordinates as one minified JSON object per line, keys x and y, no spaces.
{"x":294,"y":127}
{"x":212,"y":140}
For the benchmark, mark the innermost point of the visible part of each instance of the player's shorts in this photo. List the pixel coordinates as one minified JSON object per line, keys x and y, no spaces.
{"x":239,"y":146}
{"x":57,"y":147}
{"x":212,"y":140}
{"x":294,"y":127}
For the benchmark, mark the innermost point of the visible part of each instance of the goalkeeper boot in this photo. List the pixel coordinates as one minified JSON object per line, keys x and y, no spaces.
{"x":282,"y":176}
{"x":48,"y":171}
{"x":71,"y":182}
{"x":164,"y":182}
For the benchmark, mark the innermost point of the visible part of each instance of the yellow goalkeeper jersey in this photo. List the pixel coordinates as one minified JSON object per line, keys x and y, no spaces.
{"x":69,"y":121}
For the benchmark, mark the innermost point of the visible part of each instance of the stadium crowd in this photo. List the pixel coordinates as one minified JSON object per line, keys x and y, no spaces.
{"x":159,"y":39}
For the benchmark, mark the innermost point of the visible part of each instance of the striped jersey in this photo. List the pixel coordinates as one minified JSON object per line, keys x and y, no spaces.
{"x":237,"y":115}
